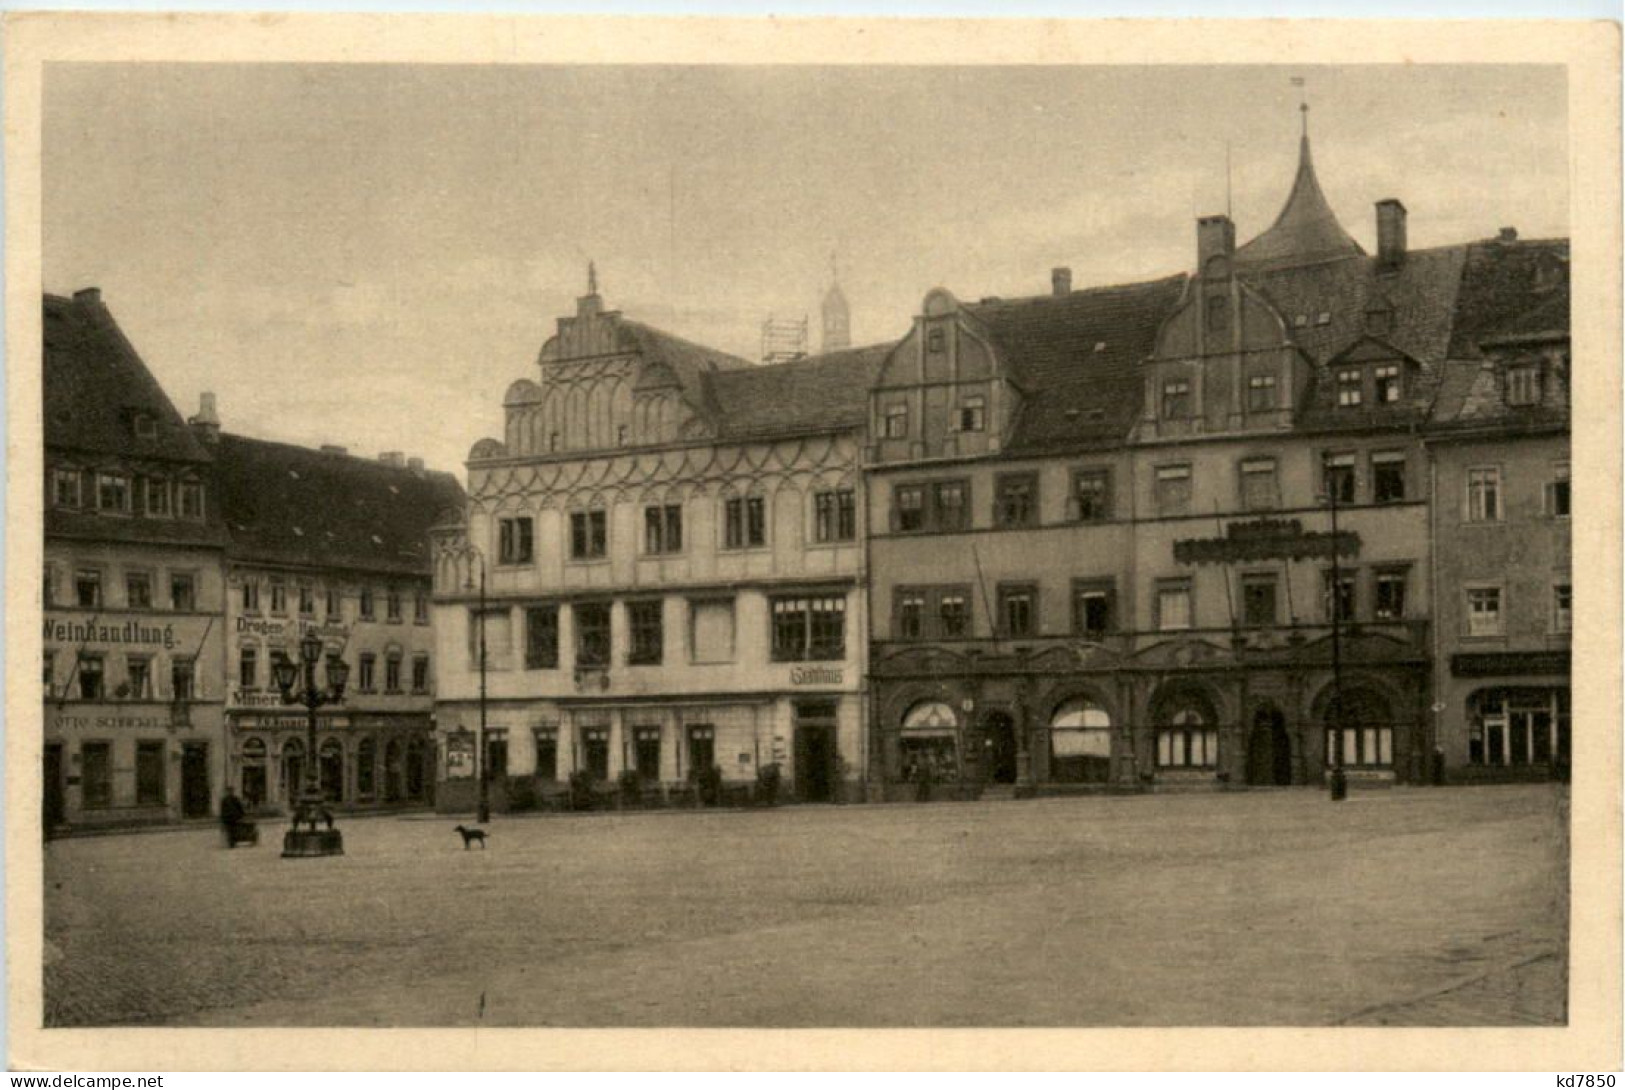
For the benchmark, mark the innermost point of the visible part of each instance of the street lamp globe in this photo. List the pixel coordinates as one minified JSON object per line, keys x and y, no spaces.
{"x":310,"y":648}
{"x":338,"y":675}
{"x":286,"y":673}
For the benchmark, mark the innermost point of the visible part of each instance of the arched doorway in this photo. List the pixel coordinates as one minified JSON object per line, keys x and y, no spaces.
{"x":394,"y":774}
{"x":1000,"y":742}
{"x":929,"y":741}
{"x":1080,"y":742}
{"x":254,"y":787}
{"x":415,"y":767}
{"x":1187,"y":729}
{"x":293,"y":769}
{"x":331,"y":769}
{"x":1269,"y":750}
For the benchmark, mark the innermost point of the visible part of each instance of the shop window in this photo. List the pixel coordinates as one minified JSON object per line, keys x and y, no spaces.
{"x":927,"y":743}
{"x":138,"y":589}
{"x":1484,"y":616}
{"x":366,"y":768}
{"x":547,"y":753}
{"x":835,"y":516}
{"x":96,"y":775}
{"x":648,"y":633}
{"x":1363,"y":746}
{"x":1518,"y":727}
{"x":589,"y":535}
{"x":1259,"y":491}
{"x":744,"y":522}
{"x":1173,"y":605}
{"x":646,"y":753}
{"x":663,"y":529}
{"x":516,"y":540}
{"x":809,"y":628}
{"x":87,"y":588}
{"x":1390,"y":594}
{"x":149,"y":773}
{"x":1092,"y":495}
{"x":1188,"y":741}
{"x":1260,"y":393}
{"x":1016,"y":500}
{"x":1018,"y":610}
{"x":592,"y":624}
{"x":1484,"y":494}
{"x":1259,"y":605}
{"x":1080,"y":743}
{"x":542,"y":637}
{"x":1388,"y":476}
{"x":1173,"y":486}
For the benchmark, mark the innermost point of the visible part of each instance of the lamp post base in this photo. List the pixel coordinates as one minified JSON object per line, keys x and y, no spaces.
{"x":305,"y":843}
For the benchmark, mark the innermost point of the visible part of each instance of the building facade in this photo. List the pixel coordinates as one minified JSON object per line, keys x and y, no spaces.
{"x":337,"y":545}
{"x":132,"y":592}
{"x":1499,"y":447}
{"x":1124,"y":501}
{"x":667,"y":545}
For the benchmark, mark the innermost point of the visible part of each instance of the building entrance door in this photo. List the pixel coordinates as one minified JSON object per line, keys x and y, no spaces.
{"x":195,"y":780}
{"x":55,"y":805}
{"x":1001,"y":747}
{"x":816,"y":752}
{"x":1269,"y":751}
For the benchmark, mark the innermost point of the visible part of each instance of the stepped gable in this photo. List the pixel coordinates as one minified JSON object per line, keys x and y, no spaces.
{"x":1305,"y":232}
{"x":1075,"y":358}
{"x":95,"y":383}
{"x":824,"y":393}
{"x":291,"y":504}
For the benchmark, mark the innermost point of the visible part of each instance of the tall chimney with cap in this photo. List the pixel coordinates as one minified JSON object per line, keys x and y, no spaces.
{"x":1390,"y":234}
{"x":1215,"y":237}
{"x":1060,"y":280}
{"x":206,"y":424}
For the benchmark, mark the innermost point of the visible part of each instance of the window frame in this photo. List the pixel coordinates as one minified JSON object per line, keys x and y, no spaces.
{"x":89,"y":575}
{"x":1173,"y":471}
{"x":187,"y":579}
{"x":1388,"y":574}
{"x":1161,"y":588}
{"x":1333,"y":464}
{"x":1005,"y":515}
{"x":121,"y":479}
{"x":516,"y":540}
{"x":1379,"y":461}
{"x":579,"y":615}
{"x":1268,"y":383}
{"x":1387,"y":378}
{"x":1104,"y":589}
{"x":1349,"y":577}
{"x":1527,"y":379}
{"x":1249,"y":465}
{"x":970,"y":415}
{"x":662,"y":529}
{"x":1477,"y":507}
{"x":1252,"y":579}
{"x":537,"y":645}
{"x":834,"y":516}
{"x":1498,"y":591}
{"x":1102,"y":474}
{"x":1348,"y":386}
{"x":894,"y":420}
{"x":1558,"y":485}
{"x":589,"y":535}
{"x":1175,"y":393}
{"x":1562,"y":616}
{"x":805,"y":647}
{"x":60,"y":476}
{"x":640,"y":650}
{"x":131,"y":577}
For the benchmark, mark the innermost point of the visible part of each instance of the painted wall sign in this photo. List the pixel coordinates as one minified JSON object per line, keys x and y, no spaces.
{"x":817,"y":675}
{"x":111,"y":722}
{"x":276,"y":628}
{"x":94,"y":632}
{"x":1265,"y":539}
{"x":288,"y":722}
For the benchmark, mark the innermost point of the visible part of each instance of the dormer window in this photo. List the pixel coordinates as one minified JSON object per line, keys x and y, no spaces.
{"x":65,"y":485}
{"x":973,"y":414}
{"x":144,"y":425}
{"x":896,"y":422}
{"x":1350,"y":383}
{"x":1176,"y":399}
{"x":1389,"y":384}
{"x":113,"y":493}
{"x":1523,"y":384}
{"x":1260,"y":393}
{"x":191,"y":499}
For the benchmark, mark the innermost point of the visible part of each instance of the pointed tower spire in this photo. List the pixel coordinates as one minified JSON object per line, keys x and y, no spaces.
{"x":837,"y":317}
{"x":592,"y":278}
{"x":1306,"y":232}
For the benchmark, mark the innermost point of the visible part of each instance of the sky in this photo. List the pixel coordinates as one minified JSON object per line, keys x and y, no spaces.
{"x":369,"y":255}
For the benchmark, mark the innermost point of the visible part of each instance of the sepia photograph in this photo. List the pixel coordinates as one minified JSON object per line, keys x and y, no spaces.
{"x":919,"y":545}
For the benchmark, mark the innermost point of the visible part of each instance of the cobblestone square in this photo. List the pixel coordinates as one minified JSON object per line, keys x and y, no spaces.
{"x":1399,"y":907}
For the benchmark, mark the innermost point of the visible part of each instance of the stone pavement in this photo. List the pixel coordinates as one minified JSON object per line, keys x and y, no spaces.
{"x":1413,"y":907}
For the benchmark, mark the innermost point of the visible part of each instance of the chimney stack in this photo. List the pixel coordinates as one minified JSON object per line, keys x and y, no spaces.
{"x":88,"y":295}
{"x":1508,"y":234}
{"x":1215,"y":237}
{"x":393,"y":458}
{"x":1390,"y":234}
{"x":415,"y":465}
{"x":1060,"y":280}
{"x":334,"y":448}
{"x":206,"y":424}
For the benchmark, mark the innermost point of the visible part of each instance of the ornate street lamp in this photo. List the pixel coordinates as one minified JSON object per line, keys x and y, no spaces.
{"x":297,"y":682}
